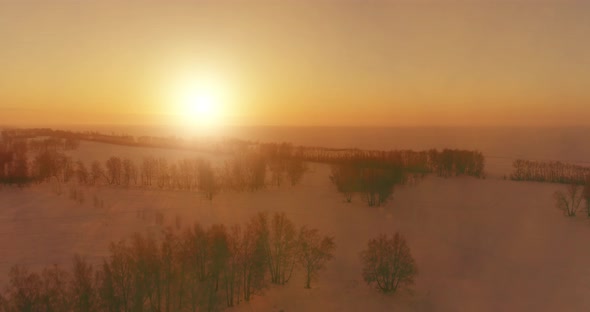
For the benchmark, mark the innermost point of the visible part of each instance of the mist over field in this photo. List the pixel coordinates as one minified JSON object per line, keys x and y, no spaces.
{"x":480,"y":244}
{"x":500,"y":144}
{"x":294,"y":155}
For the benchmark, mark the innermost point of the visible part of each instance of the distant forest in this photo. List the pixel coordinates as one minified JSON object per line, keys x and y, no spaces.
{"x":40,"y":155}
{"x":283,"y":160}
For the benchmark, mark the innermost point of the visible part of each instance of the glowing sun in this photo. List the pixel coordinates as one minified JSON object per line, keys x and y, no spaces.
{"x":200,"y":103}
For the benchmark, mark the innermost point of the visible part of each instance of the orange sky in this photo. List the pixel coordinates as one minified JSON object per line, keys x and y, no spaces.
{"x":385,"y":63}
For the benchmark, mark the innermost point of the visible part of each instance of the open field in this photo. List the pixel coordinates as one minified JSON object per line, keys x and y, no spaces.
{"x":303,"y":155}
{"x":480,"y":245}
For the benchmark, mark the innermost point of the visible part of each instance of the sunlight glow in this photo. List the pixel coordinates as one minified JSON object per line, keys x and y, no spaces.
{"x":200,"y":103}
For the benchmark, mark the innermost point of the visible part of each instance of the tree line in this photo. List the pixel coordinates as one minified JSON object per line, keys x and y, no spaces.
{"x":251,"y":171}
{"x":446,"y":163}
{"x":196,"y":269}
{"x":375,"y":181}
{"x":224,"y":146}
{"x":554,"y":172}
{"x":373,"y":174}
{"x":15,"y":165}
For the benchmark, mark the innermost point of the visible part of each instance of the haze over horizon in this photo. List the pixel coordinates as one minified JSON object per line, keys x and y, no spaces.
{"x":294,"y":155}
{"x":295,"y":63}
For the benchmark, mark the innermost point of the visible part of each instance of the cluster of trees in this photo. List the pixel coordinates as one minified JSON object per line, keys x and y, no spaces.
{"x":50,"y":161}
{"x":194,"y":270}
{"x":456,"y":162}
{"x":554,"y":172}
{"x":186,"y":174}
{"x":283,"y":162}
{"x":374,"y":180}
{"x":247,"y":170}
{"x":375,"y":174}
{"x":445,"y":163}
{"x":14,"y":165}
{"x":243,"y":172}
{"x":52,"y":143}
{"x":200,"y":269}
{"x":50,"y":164}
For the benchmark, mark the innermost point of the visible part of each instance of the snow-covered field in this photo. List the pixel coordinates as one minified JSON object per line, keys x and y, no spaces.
{"x":480,"y":245}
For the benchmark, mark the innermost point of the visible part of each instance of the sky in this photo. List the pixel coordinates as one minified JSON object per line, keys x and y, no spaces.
{"x":296,"y":63}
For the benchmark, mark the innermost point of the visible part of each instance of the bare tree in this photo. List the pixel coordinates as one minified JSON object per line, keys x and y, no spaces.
{"x":314,"y":252}
{"x":68,"y":170}
{"x":54,"y":292}
{"x":195,"y":256}
{"x":6,"y":157}
{"x":162,"y":173}
{"x":96,"y":172}
{"x":219,"y":255}
{"x":388,"y":263}
{"x":33,"y":292}
{"x":296,"y":168}
{"x":82,"y":173}
{"x":19,"y":168}
{"x":281,"y":248}
{"x":147,"y":270}
{"x":71,"y":144}
{"x":3,"y":304}
{"x":186,"y":177}
{"x":49,"y":164}
{"x":117,"y":280}
{"x":377,"y":183}
{"x":255,"y":172}
{"x":277,"y":168}
{"x":129,"y":172}
{"x":253,"y":252}
{"x":233,"y":174}
{"x":148,"y":170}
{"x":82,"y":290}
{"x":114,"y":167}
{"x":232,"y":276}
{"x":174,"y":177}
{"x":587,"y":194}
{"x":52,"y":164}
{"x":24,"y":291}
{"x":569,"y":202}
{"x":207,"y":180}
{"x":169,"y":272}
{"x":346,"y":178}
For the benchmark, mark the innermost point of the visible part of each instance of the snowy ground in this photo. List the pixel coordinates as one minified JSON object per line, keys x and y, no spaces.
{"x":480,"y":245}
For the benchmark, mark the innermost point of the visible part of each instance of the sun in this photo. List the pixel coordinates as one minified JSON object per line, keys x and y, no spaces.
{"x":200,"y":103}
{"x":201,"y":106}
